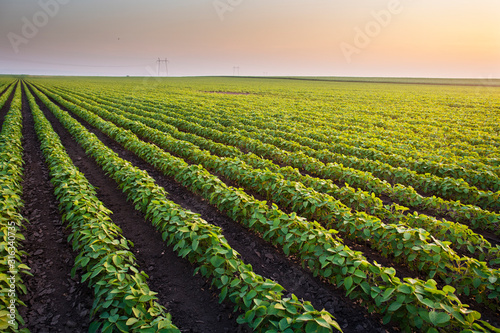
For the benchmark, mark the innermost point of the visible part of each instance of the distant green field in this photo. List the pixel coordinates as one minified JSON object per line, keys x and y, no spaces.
{"x":435,"y":81}
{"x":481,"y":82}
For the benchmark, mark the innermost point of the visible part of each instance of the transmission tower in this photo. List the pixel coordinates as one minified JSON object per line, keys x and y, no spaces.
{"x":160,"y":61}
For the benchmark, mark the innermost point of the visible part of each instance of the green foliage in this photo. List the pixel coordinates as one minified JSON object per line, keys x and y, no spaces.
{"x":409,"y":302}
{"x":11,"y":221}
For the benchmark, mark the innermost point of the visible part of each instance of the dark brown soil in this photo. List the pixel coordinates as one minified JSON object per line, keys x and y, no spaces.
{"x":55,"y":301}
{"x":265,"y":259}
{"x":491,"y":237}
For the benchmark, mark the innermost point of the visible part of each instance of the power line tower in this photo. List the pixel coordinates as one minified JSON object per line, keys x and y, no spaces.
{"x":160,"y":61}
{"x":236,"y":70}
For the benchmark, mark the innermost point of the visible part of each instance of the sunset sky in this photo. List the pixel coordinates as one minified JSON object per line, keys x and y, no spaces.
{"x":403,"y":38}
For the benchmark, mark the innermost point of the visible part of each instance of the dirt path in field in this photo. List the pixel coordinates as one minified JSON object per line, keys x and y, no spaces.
{"x":55,"y":301}
{"x":5,"y":109}
{"x":265,"y":259}
{"x":193,"y":304}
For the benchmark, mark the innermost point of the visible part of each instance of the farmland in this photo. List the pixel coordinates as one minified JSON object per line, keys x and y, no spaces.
{"x":249,"y":204}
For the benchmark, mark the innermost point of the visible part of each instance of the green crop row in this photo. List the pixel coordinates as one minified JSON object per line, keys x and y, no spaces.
{"x":484,"y":180}
{"x":11,"y":220}
{"x":5,"y":96}
{"x":389,"y":125}
{"x":426,"y":162}
{"x":4,"y":87}
{"x":346,"y":117}
{"x":345,"y":134}
{"x":122,"y":298}
{"x":415,"y":247}
{"x":6,"y":83}
{"x":413,"y":303}
{"x":447,"y":188}
{"x":467,"y":214}
{"x":447,"y":158}
{"x":460,"y":155}
{"x":459,"y":235}
{"x":468,"y":144}
{"x":261,"y":299}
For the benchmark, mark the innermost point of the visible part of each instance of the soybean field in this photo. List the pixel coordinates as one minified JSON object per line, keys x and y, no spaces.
{"x":233,"y":204}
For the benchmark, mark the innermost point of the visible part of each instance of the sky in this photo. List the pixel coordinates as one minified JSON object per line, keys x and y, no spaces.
{"x":384,"y":38}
